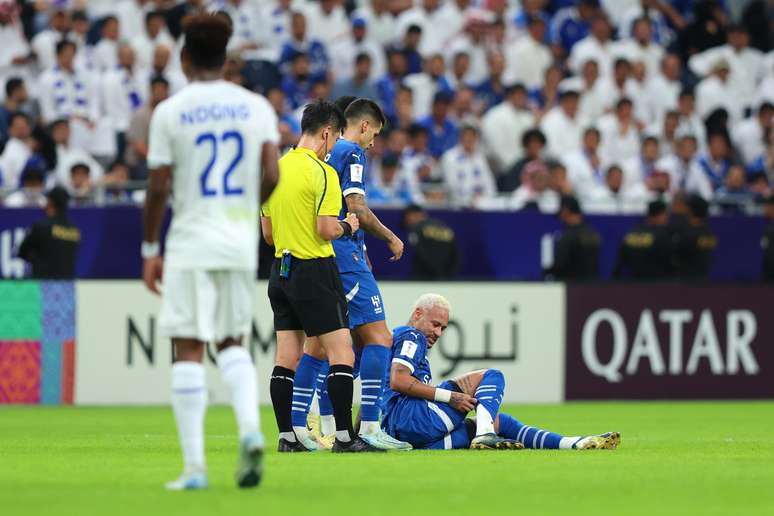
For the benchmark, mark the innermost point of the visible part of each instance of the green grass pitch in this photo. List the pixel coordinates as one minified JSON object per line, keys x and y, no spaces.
{"x":676,"y":458}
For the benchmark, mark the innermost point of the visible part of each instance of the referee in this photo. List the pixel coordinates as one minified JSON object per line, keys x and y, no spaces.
{"x":300,"y":220}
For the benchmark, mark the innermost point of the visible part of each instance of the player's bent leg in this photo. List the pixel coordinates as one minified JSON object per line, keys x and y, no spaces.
{"x":536,"y":438}
{"x":374,"y":363}
{"x":189,"y":404}
{"x":489,"y":387}
{"x":238,"y":372}
{"x":458,"y":439}
{"x":289,"y":347}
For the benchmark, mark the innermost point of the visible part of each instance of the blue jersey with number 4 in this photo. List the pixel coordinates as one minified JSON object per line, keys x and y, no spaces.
{"x":349,"y":161}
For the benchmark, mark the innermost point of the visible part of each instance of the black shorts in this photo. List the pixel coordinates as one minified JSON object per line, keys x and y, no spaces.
{"x":312,"y":299}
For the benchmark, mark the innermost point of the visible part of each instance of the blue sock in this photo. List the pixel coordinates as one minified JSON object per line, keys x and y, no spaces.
{"x":303,"y":388}
{"x":326,"y":409}
{"x":532,"y":437}
{"x":373,"y":365}
{"x":490,"y":391}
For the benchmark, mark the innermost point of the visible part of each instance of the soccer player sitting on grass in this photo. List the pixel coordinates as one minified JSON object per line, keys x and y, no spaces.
{"x":434,"y":417}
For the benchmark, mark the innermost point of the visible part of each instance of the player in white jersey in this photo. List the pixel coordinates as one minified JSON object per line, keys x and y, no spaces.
{"x":208,"y":145}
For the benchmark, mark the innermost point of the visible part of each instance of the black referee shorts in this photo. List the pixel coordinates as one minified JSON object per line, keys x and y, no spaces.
{"x":312,"y":299}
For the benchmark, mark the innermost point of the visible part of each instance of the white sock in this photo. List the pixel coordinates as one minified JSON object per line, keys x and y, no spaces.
{"x":238,"y":373}
{"x":484,"y":421}
{"x":288,"y":436}
{"x":327,"y":425}
{"x":369,"y":427}
{"x":566,"y":442}
{"x":189,"y":403}
{"x":301,"y":432}
{"x":343,"y":436}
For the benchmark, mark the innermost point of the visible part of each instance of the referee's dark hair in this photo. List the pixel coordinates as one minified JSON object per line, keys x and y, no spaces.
{"x":206,"y":38}
{"x":320,"y":113}
{"x":365,"y":108}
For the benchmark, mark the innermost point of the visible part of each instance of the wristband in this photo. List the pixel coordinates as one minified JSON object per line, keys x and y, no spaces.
{"x":150,"y":250}
{"x":442,"y":395}
{"x":346,"y":228}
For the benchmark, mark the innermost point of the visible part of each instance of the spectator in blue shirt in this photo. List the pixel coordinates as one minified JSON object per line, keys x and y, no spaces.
{"x":359,"y":85}
{"x":492,"y":90}
{"x":289,"y":127}
{"x":297,"y":84}
{"x":409,"y":48}
{"x":572,"y":24}
{"x":443,"y":132}
{"x":387,"y":86}
{"x":15,"y":98}
{"x":298,"y":42}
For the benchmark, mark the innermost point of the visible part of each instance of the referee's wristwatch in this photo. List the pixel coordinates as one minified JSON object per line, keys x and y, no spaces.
{"x":150,"y":250}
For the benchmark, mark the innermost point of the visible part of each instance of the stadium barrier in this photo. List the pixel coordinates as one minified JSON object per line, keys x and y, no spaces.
{"x":669,"y":341}
{"x":514,"y":246}
{"x":515,"y":327}
{"x":553,"y":342}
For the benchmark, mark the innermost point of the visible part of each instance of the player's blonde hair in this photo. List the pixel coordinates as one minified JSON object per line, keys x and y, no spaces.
{"x":428,"y":301}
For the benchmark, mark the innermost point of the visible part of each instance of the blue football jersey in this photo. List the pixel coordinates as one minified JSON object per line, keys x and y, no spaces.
{"x":349,"y":161}
{"x":409,"y":348}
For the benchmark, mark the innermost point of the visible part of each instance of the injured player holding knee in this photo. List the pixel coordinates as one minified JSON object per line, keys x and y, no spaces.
{"x":431,"y":417}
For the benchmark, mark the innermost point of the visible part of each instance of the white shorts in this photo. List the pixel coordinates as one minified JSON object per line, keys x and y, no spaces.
{"x":207,"y":305}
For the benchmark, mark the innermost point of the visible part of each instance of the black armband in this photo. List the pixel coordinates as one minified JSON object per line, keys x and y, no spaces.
{"x":346,"y":228}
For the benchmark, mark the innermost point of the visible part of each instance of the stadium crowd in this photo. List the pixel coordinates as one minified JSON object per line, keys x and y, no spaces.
{"x":492,"y":104}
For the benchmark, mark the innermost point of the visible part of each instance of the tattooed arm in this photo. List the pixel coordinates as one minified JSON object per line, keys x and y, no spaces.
{"x":370,"y":223}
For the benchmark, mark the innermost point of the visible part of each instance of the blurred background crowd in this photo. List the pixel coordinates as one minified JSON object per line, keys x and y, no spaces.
{"x":492,"y":104}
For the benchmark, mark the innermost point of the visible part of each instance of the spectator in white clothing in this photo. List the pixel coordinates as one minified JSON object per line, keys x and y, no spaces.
{"x":561,"y":124}
{"x":534,"y":191}
{"x":162,"y":67}
{"x":31,"y":193}
{"x":122,"y":95}
{"x":597,"y":46}
{"x":715,"y":92}
{"x":529,"y":57}
{"x":639,"y":170}
{"x":641,"y":47}
{"x":106,"y":50}
{"x":620,"y":133}
{"x":690,"y":122}
{"x":681,"y":165}
{"x":344,"y":50}
{"x":327,"y":21}
{"x":503,"y":126}
{"x":17,"y":151}
{"x":611,"y":196}
{"x":466,"y":173}
{"x":67,"y":156}
{"x":592,"y":99}
{"x":155,"y":34}
{"x":381,"y":22}
{"x":44,"y":43}
{"x":745,"y":64}
{"x":131,"y":17}
{"x":70,"y":93}
{"x":749,"y":136}
{"x":584,"y":166}
{"x":667,"y":84}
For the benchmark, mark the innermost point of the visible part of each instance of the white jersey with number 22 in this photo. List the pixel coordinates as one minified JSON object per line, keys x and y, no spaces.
{"x":211,"y":134}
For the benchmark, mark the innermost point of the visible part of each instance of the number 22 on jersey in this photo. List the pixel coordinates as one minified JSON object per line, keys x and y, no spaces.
{"x":228,"y":141}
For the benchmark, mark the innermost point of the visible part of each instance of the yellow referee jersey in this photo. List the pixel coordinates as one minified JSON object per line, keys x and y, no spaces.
{"x":307,"y":188}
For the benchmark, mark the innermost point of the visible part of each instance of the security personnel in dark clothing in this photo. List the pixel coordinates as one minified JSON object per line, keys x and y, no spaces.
{"x":694,"y":244}
{"x":435,"y":252}
{"x":767,"y":241}
{"x":645,"y":252}
{"x":576,"y":256}
{"x":51,"y":245}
